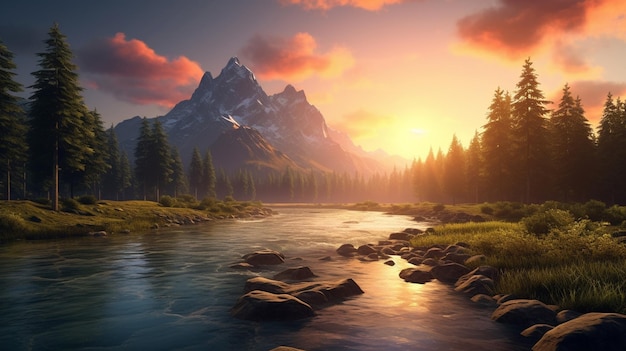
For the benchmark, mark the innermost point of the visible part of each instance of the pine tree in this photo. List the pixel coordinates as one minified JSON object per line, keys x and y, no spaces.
{"x":572,"y":149}
{"x":58,"y":134}
{"x":161,"y":160}
{"x":143,"y":158}
{"x":13,"y":145}
{"x":497,"y":147}
{"x":454,"y":171}
{"x":112,"y":183}
{"x":96,"y":165}
{"x":195,"y":173}
{"x":474,"y":167}
{"x":209,"y":179}
{"x":530,"y":134}
{"x":178,"y":179}
{"x":612,"y":150}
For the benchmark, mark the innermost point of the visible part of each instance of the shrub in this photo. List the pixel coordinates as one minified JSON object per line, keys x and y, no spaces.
{"x":486,"y":209}
{"x":70,"y":205}
{"x":543,"y":222}
{"x":594,"y":210}
{"x":11,"y":224}
{"x":167,"y":201}
{"x":229,"y":198}
{"x":87,"y":200}
{"x":439,"y":207}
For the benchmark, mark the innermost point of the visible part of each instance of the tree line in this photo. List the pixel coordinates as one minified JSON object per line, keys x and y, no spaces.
{"x":525,"y":152}
{"x":528,"y":153}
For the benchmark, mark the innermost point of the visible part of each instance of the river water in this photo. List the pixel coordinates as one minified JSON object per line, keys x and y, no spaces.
{"x":173,"y":289}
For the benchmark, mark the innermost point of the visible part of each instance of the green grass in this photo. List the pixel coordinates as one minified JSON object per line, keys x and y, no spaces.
{"x":31,"y":220}
{"x":577,"y":266}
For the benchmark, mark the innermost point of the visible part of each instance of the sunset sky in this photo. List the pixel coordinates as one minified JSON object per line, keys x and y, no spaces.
{"x":403,"y":76}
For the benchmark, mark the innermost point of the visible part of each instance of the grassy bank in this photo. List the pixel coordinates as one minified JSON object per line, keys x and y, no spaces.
{"x":32,"y":220}
{"x":576,"y":264}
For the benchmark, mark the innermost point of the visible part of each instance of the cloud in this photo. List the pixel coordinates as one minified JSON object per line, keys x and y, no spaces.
{"x":593,"y":95}
{"x":133,"y":72}
{"x":515,"y":28}
{"x":370,"y":5}
{"x":294,"y":58}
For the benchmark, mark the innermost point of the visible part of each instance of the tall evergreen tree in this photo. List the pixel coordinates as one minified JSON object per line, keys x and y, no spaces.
{"x":112,"y":183}
{"x":497,"y":147}
{"x":454,"y":176}
{"x":209,"y":179}
{"x":474,"y":167}
{"x":530,"y":135}
{"x":572,"y":149}
{"x":612,"y":150}
{"x":196,"y":170}
{"x":161,"y":158}
{"x":178,"y":182}
{"x":96,"y":165}
{"x":143,"y":157}
{"x":13,"y":145}
{"x":58,"y":134}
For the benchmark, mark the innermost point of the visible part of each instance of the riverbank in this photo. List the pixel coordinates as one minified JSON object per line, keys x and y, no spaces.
{"x":30,"y":220}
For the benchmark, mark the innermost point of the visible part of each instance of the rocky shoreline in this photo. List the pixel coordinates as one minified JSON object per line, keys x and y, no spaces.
{"x":547,"y":327}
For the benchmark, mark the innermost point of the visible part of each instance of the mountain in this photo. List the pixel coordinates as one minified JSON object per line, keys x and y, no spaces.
{"x":244,"y":127}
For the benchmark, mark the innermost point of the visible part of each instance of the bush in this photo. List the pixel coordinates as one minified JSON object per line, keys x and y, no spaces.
{"x":11,"y":224}
{"x":439,"y":207}
{"x":167,"y":201}
{"x":87,"y":200}
{"x":70,"y":205}
{"x":543,"y":222}
{"x":229,"y":198}
{"x":594,"y":210}
{"x":486,"y":209}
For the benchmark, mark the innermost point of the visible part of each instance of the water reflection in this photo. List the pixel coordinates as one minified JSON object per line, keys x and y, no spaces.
{"x":173,"y":290}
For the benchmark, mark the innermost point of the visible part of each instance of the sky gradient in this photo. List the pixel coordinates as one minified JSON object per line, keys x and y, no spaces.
{"x":399,"y":75}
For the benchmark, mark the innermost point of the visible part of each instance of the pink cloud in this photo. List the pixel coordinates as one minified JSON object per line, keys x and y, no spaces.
{"x":133,"y":72}
{"x":294,"y":58}
{"x":370,"y":5}
{"x":515,"y":28}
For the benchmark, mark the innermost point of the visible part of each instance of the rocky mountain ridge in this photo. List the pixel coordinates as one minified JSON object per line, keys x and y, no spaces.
{"x":245,"y":128}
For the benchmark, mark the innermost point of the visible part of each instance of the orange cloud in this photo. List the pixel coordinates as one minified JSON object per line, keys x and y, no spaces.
{"x":133,"y":72}
{"x":294,"y":58}
{"x":515,"y":28}
{"x":370,"y":5}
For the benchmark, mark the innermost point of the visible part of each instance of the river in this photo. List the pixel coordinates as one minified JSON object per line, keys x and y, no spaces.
{"x":172,"y":289}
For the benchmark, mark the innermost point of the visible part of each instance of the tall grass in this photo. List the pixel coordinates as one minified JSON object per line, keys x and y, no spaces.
{"x":576,"y":265}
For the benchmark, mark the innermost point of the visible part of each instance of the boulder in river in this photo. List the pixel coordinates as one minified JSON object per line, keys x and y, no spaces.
{"x":297,"y":273}
{"x":524,"y":313}
{"x":591,"y":331}
{"x":347,"y":250}
{"x":264,"y":258}
{"x":449,"y":272}
{"x":415,"y":275}
{"x":333,"y":291}
{"x":260,"y":305}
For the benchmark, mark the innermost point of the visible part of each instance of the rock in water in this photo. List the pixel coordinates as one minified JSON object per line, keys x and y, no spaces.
{"x":264,"y":258}
{"x":591,"y":331}
{"x":260,"y":305}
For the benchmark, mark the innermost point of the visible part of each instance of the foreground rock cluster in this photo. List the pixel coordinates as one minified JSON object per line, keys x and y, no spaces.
{"x":288,"y":295}
{"x":296,"y":293}
{"x":549,"y":327}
